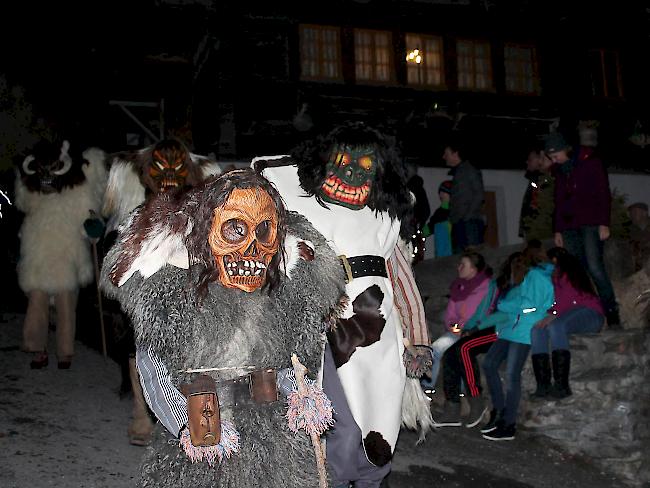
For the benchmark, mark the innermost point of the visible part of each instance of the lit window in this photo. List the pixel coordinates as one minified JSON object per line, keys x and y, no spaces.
{"x":424,"y":60}
{"x":320,"y":49}
{"x":521,"y":69}
{"x":605,"y":73}
{"x":474,"y":65}
{"x":373,"y":56}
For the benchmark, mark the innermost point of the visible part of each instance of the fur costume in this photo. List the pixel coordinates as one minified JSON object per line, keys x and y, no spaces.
{"x":58,"y":189}
{"x":368,"y":342}
{"x":54,"y":252}
{"x":130,"y":181}
{"x":224,"y":328}
{"x":134,"y":177}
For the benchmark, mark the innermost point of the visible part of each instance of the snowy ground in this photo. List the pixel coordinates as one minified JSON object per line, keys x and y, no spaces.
{"x":67,"y":428}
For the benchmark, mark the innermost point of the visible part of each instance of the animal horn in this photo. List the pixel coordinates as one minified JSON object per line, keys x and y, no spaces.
{"x":65,"y":157}
{"x":26,"y":169}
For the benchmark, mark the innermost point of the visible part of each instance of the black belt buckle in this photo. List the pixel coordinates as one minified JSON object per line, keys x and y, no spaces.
{"x":347,"y":268}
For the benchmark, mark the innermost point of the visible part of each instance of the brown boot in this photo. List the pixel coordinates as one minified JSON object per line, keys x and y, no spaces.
{"x":141,"y":425}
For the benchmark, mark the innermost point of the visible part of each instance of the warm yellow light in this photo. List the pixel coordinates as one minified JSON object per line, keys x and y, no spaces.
{"x":414,"y":56}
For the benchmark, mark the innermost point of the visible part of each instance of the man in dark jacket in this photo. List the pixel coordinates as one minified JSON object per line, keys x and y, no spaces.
{"x":467,"y":195}
{"x":538,"y":176}
{"x":582,"y":213}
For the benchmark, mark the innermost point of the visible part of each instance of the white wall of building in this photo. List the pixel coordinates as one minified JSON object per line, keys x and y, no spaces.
{"x":510,"y":186}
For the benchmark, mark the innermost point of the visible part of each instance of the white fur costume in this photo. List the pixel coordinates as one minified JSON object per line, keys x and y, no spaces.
{"x":55,"y":258}
{"x":54,"y":251}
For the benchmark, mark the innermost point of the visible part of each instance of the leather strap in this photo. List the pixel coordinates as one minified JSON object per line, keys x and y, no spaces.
{"x":366,"y":265}
{"x":255,"y":388}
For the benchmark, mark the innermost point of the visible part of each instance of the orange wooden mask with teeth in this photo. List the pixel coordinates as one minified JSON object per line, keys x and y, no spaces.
{"x":244,"y":238}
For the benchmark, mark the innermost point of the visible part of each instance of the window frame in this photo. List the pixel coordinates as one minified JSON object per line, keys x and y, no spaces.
{"x":474,"y":41}
{"x":603,"y":73}
{"x":303,"y":56}
{"x":534,"y":69}
{"x":423,"y":38}
{"x":390,"y":50}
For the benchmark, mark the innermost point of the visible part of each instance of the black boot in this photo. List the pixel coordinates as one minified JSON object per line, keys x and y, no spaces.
{"x":542,"y":369}
{"x":561,"y":368}
{"x":613,"y":320}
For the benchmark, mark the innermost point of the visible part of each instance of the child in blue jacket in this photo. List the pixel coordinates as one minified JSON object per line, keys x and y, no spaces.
{"x":517,"y":313}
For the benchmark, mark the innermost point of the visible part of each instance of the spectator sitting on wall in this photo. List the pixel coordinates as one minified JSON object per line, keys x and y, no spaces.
{"x":439,"y":225}
{"x":576,"y":310}
{"x":467,"y":195}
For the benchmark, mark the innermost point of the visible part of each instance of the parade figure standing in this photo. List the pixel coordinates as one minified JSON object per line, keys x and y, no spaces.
{"x":350,"y":184}
{"x":59,"y":189}
{"x":223,"y":286}
{"x":135,"y":176}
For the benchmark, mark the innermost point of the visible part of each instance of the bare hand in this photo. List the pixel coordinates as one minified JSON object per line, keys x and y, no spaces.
{"x":603,"y":232}
{"x":559,"y":242}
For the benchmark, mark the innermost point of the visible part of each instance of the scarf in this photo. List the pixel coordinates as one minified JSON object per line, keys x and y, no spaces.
{"x":461,"y":288}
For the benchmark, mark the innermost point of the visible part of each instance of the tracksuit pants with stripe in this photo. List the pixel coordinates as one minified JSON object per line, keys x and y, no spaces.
{"x":459,"y":363}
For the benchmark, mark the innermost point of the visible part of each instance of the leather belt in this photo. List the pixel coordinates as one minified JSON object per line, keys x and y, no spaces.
{"x":366,"y":265}
{"x":256,"y":388}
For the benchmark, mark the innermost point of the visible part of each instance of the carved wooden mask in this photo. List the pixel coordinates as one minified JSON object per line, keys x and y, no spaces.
{"x":244,"y":238}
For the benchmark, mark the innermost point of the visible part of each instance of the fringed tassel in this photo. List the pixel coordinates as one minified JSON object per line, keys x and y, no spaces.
{"x":311,"y":412}
{"x":228,"y":445}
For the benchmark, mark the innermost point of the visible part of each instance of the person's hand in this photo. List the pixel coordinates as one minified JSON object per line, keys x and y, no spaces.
{"x":454,"y":328}
{"x":542,"y":324}
{"x":94,"y":227}
{"x":603,"y":232}
{"x":559,"y":242}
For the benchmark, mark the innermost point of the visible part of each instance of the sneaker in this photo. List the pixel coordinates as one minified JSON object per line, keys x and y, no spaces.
{"x":477,"y":410}
{"x":493,"y":422}
{"x":501,"y":433}
{"x":450,"y":416}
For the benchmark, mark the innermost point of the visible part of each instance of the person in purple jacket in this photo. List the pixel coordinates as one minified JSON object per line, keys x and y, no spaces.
{"x":576,"y":310}
{"x":582,"y":213}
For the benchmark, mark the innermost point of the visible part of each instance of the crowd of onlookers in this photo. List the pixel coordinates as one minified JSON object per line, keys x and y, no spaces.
{"x":537,"y":299}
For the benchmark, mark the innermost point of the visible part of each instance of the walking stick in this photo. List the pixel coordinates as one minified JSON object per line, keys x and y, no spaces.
{"x":300,"y":371}
{"x":99,"y":296}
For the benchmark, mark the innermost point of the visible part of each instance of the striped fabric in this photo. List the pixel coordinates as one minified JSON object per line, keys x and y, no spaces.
{"x":407,"y":298}
{"x":165,"y":401}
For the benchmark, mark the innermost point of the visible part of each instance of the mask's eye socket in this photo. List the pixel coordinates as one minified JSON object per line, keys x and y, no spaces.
{"x":179,"y":165}
{"x":234,"y":230}
{"x":263,"y":231}
{"x":342,"y":159}
{"x":366,"y":162}
{"x":159,"y":165}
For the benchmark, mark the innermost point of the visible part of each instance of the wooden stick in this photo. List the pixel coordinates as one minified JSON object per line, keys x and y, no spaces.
{"x":99,"y":296}
{"x":300,"y":371}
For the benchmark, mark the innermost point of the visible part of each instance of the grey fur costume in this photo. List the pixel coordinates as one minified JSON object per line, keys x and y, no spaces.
{"x":232,"y":328}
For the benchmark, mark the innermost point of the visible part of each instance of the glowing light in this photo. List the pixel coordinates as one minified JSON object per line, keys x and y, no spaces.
{"x":529,"y":310}
{"x":414,"y":56}
{"x":6,"y":198}
{"x":533,"y":184}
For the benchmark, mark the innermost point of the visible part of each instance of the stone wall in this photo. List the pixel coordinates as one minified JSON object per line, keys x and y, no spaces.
{"x":608,"y":416}
{"x":607,"y":419}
